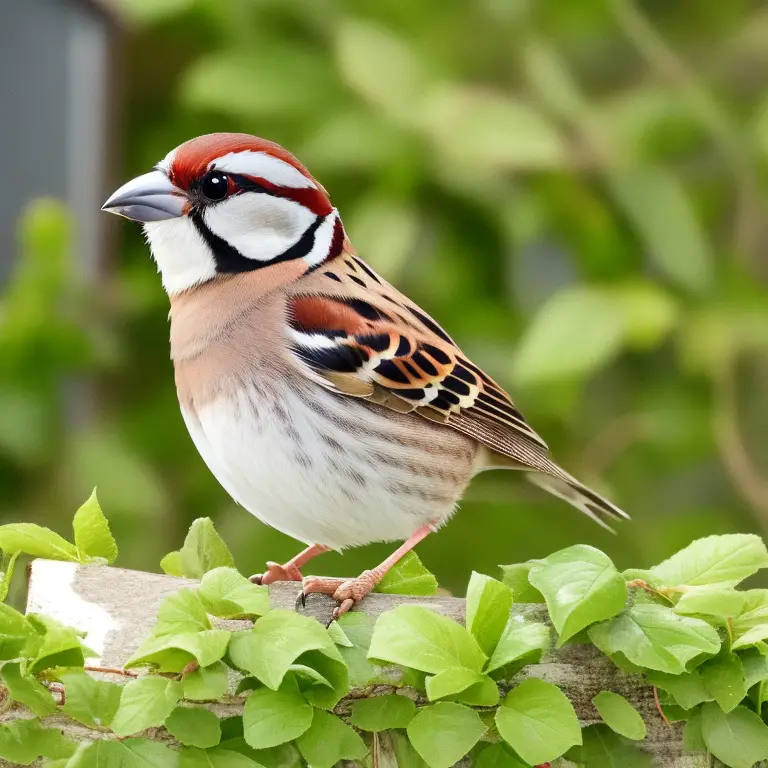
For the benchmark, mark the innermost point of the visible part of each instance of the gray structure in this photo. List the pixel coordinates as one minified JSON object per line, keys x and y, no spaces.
{"x":54,"y":89}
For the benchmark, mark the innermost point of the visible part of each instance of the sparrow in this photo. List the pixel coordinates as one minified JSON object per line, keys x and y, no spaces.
{"x":322,"y":399}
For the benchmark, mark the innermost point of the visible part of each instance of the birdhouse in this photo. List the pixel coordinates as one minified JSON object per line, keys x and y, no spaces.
{"x":54,"y":137}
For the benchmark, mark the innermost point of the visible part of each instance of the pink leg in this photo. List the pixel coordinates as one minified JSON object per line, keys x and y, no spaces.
{"x":350,"y":591}
{"x":289,"y":571}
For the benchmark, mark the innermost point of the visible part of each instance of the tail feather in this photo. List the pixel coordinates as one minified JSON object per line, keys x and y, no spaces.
{"x":579,"y":496}
{"x":523,"y":455}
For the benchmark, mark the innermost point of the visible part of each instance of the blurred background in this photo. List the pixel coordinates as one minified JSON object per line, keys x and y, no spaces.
{"x":575,"y":190}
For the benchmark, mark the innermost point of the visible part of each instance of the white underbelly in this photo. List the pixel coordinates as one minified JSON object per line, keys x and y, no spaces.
{"x":329,"y":474}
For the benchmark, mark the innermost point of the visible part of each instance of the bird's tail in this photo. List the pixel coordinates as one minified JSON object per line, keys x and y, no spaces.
{"x":559,"y":483}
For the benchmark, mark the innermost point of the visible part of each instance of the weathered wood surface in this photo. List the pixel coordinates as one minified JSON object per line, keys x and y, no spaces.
{"x":117,"y":608}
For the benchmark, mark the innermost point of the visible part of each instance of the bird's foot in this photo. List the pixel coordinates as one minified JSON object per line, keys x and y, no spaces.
{"x":275,"y":572}
{"x":346,"y":592}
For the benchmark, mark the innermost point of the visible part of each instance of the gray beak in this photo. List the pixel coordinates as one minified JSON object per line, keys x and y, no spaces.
{"x":150,"y":197}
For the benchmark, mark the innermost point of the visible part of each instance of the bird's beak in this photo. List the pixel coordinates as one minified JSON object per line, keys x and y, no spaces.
{"x":150,"y":197}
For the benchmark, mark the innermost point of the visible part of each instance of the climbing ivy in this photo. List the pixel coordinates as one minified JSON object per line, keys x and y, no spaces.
{"x":458,"y":689}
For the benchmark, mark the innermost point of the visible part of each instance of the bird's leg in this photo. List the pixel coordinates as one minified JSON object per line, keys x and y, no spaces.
{"x":348,"y":592}
{"x":289,"y":571}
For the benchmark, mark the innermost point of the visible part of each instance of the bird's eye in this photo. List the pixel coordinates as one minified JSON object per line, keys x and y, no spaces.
{"x":215,"y":186}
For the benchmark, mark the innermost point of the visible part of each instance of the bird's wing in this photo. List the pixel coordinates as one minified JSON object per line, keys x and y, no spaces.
{"x":365,"y":339}
{"x":357,"y":335}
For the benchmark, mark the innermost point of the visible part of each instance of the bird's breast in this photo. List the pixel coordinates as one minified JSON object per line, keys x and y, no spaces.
{"x":327,"y":469}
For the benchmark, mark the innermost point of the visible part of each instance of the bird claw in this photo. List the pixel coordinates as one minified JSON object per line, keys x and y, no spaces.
{"x":346,"y":592}
{"x":276,"y":572}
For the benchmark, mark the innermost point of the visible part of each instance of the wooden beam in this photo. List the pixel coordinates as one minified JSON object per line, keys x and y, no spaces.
{"x":117,"y":608}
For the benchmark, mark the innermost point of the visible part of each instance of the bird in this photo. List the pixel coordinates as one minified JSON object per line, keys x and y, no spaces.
{"x":323,"y":400}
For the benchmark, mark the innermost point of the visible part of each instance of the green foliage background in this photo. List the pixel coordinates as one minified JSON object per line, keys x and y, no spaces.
{"x":575,"y":190}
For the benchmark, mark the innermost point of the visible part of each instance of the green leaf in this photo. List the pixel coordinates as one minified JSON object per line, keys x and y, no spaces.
{"x":36,"y":541}
{"x":724,"y":679}
{"x":655,"y":637}
{"x":145,"y":703}
{"x":751,"y":637}
{"x":203,"y":550}
{"x":328,"y":741}
{"x":358,"y":627}
{"x":93,"y":702}
{"x":499,"y":756}
{"x":171,"y":564}
{"x":417,"y":637}
{"x":8,"y":566}
{"x":642,"y":574}
{"x":488,"y":131}
{"x":516,"y":578}
{"x":693,"y":740}
{"x":723,"y":560}
{"x":28,"y":690}
{"x":484,"y":693}
{"x":206,"y":683}
{"x":538,"y":721}
{"x":488,"y":604}
{"x":23,"y":741}
{"x":194,"y":727}
{"x":60,"y":646}
{"x":602,"y":748}
{"x":229,"y":595}
{"x":338,"y":635}
{"x":92,"y":535}
{"x":396,"y":751}
{"x":738,"y":738}
{"x":277,"y":641}
{"x":619,"y":715}
{"x":272,"y":717}
{"x":754,"y":613}
{"x":129,"y":753}
{"x":408,"y":577}
{"x":687,"y":689}
{"x":172,"y":652}
{"x":327,"y":678}
{"x":381,"y":67}
{"x":453,"y":681}
{"x":427,"y":732}
{"x":711,"y":601}
{"x":284,"y":756}
{"x":520,"y":639}
{"x":657,"y":203}
{"x":651,"y":313}
{"x":181,"y":612}
{"x":575,"y":332}
{"x":382,"y":713}
{"x":16,"y":633}
{"x":581,"y":586}
{"x":755,"y":666}
{"x":230,"y":82}
{"x":192,"y":757}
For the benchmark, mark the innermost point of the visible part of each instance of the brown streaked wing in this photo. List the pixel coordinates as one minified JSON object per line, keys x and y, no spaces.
{"x":367,"y":340}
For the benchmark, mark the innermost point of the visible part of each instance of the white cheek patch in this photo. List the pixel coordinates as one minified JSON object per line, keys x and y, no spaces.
{"x":259,"y":226}
{"x":183,"y":257}
{"x":274,"y":170}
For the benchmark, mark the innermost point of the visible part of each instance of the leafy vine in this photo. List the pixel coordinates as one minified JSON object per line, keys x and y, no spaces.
{"x":282,"y":691}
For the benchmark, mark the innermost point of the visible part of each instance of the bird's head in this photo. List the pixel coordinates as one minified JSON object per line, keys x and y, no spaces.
{"x":227,"y":203}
